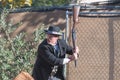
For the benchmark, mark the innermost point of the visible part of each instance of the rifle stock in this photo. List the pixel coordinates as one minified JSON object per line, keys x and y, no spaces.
{"x":76,"y":10}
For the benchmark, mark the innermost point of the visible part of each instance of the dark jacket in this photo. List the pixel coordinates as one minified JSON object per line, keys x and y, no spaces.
{"x":46,"y":60}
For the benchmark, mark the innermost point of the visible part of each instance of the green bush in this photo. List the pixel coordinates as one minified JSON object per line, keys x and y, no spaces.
{"x":16,"y":54}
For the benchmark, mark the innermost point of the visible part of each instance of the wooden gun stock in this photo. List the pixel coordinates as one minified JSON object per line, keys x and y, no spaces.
{"x":76,"y":10}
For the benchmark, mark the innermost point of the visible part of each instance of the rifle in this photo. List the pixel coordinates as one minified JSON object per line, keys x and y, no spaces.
{"x":76,"y":10}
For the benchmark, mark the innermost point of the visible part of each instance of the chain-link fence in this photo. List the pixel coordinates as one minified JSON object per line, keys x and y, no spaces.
{"x":98,"y":40}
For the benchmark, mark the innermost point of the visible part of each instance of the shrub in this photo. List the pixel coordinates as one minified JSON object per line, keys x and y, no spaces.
{"x":16,"y":54}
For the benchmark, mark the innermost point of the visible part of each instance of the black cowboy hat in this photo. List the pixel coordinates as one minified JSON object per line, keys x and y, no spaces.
{"x":55,"y":30}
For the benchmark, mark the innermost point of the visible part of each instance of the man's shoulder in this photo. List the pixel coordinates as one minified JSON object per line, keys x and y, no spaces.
{"x":43,"y":42}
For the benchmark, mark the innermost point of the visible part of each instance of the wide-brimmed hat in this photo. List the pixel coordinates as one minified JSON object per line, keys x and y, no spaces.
{"x":55,"y":30}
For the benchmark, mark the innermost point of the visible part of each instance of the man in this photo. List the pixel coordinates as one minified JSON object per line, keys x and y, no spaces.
{"x":51,"y":56}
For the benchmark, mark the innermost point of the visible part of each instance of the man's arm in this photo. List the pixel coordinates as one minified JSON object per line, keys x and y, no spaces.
{"x":50,"y":58}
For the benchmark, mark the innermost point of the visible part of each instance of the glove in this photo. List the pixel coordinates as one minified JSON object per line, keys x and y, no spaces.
{"x":66,"y":60}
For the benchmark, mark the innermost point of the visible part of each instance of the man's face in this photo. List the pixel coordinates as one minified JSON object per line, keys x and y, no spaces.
{"x":52,"y":38}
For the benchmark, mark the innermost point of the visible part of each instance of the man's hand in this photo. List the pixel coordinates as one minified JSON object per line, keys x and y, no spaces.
{"x":75,"y":54}
{"x":76,"y":50}
{"x":73,"y":57}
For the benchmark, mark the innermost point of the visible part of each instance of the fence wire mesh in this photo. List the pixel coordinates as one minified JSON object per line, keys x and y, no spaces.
{"x":98,"y":40}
